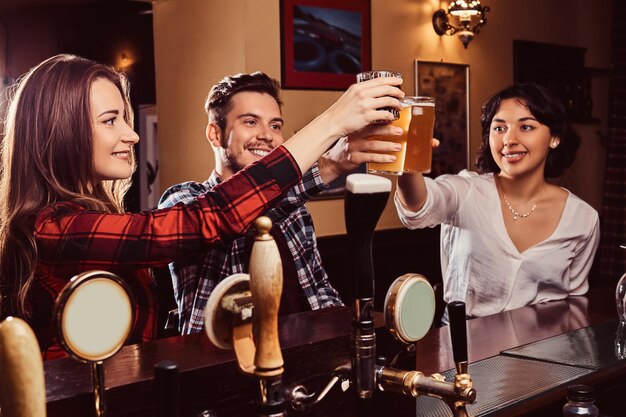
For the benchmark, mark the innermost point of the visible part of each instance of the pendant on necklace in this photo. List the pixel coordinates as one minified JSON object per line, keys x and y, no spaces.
{"x":515,"y":214}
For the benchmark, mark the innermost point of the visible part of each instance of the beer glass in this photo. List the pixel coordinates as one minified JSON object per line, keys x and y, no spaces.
{"x":369,"y":75}
{"x":417,"y":120}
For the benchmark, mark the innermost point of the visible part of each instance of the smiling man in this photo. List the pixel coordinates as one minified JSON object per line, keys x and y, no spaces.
{"x":244,"y":124}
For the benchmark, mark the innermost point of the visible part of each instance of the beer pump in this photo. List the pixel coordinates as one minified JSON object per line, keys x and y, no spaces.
{"x":366,"y":197}
{"x":229,"y":319}
{"x":414,"y":383}
{"x":409,"y":312}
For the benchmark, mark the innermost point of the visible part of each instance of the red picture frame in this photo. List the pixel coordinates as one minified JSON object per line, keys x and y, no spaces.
{"x":324,"y":43}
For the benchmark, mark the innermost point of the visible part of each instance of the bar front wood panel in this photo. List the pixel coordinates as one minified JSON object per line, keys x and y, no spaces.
{"x":313,"y":343}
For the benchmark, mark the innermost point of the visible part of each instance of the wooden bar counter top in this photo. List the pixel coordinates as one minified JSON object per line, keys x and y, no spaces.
{"x":313,"y":344}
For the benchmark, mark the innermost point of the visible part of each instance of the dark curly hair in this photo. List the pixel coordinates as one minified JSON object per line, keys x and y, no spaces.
{"x":548,"y":110}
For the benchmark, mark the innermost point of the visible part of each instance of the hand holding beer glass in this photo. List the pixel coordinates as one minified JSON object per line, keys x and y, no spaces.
{"x":417,"y":120}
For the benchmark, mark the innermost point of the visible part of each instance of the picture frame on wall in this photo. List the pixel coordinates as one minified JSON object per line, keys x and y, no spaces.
{"x":448,"y":83}
{"x":324,"y":43}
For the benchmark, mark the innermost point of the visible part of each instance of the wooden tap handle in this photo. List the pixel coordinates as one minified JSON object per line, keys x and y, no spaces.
{"x":266,"y":285}
{"x":22,"y":392}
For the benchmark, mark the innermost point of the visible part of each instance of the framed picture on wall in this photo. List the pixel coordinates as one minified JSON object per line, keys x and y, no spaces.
{"x":449,"y":85}
{"x":324,"y":43}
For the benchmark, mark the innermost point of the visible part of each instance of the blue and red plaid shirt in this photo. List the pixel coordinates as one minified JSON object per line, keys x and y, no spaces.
{"x":194,"y":279}
{"x":71,"y":240}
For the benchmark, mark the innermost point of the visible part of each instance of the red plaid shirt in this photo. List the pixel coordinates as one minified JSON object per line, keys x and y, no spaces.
{"x":72,"y":240}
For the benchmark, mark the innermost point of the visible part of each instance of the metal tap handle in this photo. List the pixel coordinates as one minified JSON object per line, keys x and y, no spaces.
{"x":266,"y":285}
{"x":300,"y":399}
{"x":166,"y":380}
{"x":458,"y":331}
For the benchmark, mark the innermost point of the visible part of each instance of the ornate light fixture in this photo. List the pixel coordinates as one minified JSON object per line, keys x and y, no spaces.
{"x":465,"y":11}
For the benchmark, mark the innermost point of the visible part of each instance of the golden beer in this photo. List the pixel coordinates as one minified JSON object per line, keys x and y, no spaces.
{"x":417,"y":120}
{"x":419,"y":148}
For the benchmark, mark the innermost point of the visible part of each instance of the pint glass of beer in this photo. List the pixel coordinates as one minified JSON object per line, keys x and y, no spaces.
{"x":417,"y":120}
{"x":369,"y":75}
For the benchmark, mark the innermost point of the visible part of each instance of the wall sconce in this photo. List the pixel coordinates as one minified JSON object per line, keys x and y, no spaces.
{"x":124,"y":61}
{"x":465,"y":11}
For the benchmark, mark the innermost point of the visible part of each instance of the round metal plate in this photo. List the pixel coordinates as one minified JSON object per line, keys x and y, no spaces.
{"x":217,"y":323}
{"x":410,"y":307}
{"x":94,"y":315}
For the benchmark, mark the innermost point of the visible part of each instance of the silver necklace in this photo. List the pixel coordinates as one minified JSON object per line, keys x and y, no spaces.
{"x":517,"y":215}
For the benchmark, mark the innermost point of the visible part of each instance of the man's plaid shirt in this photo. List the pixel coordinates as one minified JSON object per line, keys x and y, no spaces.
{"x":194,"y":280}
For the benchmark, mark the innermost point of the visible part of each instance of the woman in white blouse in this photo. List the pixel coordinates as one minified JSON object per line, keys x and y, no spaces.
{"x":509,"y":238}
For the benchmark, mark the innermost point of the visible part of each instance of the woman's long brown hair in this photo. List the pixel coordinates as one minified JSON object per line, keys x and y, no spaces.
{"x":47,"y":157}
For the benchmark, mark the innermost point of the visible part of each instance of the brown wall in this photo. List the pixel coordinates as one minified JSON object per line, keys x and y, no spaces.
{"x":197,"y":42}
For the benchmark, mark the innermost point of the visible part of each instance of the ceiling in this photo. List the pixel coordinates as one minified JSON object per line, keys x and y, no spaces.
{"x":10,"y":5}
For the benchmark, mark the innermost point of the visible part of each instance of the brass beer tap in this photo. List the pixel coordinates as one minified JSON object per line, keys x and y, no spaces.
{"x":456,"y":394}
{"x":365,"y":199}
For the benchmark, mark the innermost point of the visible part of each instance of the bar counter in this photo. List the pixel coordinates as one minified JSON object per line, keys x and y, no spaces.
{"x":313,"y":344}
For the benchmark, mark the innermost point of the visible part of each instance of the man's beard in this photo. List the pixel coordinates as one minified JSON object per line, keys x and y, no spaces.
{"x":231,"y":162}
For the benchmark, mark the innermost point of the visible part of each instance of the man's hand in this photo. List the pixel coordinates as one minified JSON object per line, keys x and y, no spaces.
{"x":350,"y":152}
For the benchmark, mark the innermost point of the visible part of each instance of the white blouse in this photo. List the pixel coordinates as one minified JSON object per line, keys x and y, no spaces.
{"x":479,"y":262}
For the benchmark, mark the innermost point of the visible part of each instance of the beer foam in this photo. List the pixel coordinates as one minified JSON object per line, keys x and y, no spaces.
{"x":367,"y":184}
{"x":418,"y":110}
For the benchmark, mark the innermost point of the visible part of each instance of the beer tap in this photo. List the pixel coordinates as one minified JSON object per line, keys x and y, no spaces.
{"x":266,"y":285}
{"x":463,"y":385}
{"x":414,"y":383}
{"x":365,"y":201}
{"x":409,"y":311}
{"x":241,"y":302}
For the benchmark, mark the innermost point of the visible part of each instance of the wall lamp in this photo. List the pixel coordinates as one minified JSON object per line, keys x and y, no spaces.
{"x":465,"y":11}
